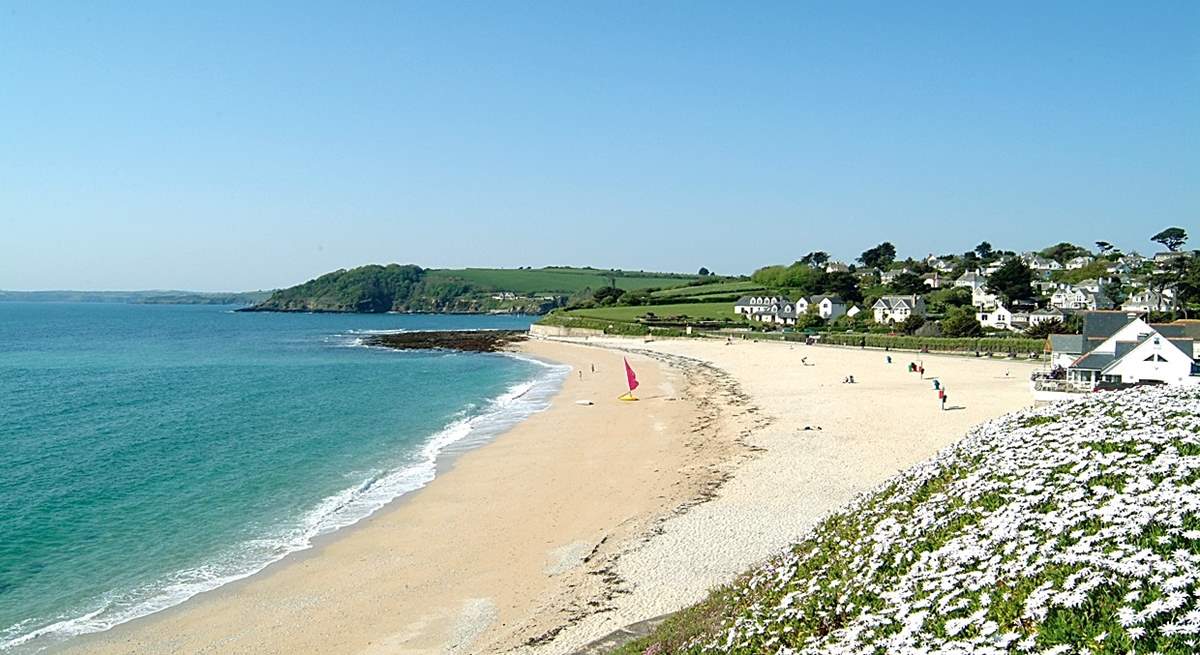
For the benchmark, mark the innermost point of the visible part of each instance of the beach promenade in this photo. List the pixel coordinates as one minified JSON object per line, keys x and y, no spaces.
{"x":585,"y":518}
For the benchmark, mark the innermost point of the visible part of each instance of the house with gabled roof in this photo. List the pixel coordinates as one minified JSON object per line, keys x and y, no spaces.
{"x":828,"y":307}
{"x":897,"y":309}
{"x":752,"y":305}
{"x":971,"y":280}
{"x":1116,"y":348}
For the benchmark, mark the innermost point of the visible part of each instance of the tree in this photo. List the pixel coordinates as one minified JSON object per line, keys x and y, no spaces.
{"x":879,"y":256}
{"x":960,"y":322}
{"x":1045,"y":329}
{"x":815,"y":258}
{"x":809,"y":319}
{"x":912,"y":324}
{"x":1173,"y":238}
{"x":843,"y":285}
{"x":703,"y":272}
{"x":1062,"y":252}
{"x":607,"y":295}
{"x":908,"y":283}
{"x":1012,"y":281}
{"x":984,"y":250}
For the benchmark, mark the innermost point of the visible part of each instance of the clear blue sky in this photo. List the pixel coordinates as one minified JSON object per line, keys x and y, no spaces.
{"x":224,"y":146}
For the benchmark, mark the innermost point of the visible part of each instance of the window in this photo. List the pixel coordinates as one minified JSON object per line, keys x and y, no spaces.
{"x":1156,"y":358}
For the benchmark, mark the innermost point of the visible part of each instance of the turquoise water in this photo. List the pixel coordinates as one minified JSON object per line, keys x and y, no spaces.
{"x":148,"y":453}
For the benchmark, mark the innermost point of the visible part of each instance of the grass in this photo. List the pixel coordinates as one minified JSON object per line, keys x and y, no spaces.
{"x":734,"y":287}
{"x":559,"y":281}
{"x":700,"y":311}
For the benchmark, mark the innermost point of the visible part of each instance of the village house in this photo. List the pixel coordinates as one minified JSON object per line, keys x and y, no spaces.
{"x":981,"y":297}
{"x":1133,"y":352}
{"x":836,"y":267}
{"x":1046,"y":315}
{"x":932,"y":280}
{"x":1079,"y":262}
{"x":997,"y":317}
{"x":1080,"y":299}
{"x":1040,"y":264}
{"x":971,"y":280}
{"x":887,"y":277}
{"x":828,"y":307}
{"x":897,"y":309}
{"x":1150,"y":301}
{"x":753,"y":305}
{"x":939,"y":264}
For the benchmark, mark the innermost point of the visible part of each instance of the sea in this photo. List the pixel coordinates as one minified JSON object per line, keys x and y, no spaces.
{"x":149,"y":453}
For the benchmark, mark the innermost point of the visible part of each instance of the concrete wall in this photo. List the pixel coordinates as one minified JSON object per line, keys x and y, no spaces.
{"x":560,"y":331}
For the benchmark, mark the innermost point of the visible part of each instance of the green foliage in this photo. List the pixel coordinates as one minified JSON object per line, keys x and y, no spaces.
{"x":1045,"y":329}
{"x":817,"y":258}
{"x":879,"y":256}
{"x":1094,"y":270}
{"x":717,"y":311}
{"x":960,"y":322}
{"x":372,"y":288}
{"x":716,"y":287}
{"x":553,"y":280}
{"x":1063,"y":252}
{"x":908,"y":283}
{"x":607,"y":296}
{"x":1006,"y":345}
{"x":800,"y":277}
{"x":1012,"y":281}
{"x":912,"y":324}
{"x":944,"y":299}
{"x":703,"y":272}
{"x":1172,"y":238}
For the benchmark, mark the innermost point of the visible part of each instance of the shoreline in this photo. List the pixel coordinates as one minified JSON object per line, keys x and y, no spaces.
{"x":495,"y":423}
{"x":185,"y":628}
{"x":753,"y":443}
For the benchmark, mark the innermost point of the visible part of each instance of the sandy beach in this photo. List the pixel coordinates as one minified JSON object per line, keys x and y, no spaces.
{"x":584,"y":519}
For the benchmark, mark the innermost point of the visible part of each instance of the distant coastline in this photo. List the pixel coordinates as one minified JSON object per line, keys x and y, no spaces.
{"x":146,"y":297}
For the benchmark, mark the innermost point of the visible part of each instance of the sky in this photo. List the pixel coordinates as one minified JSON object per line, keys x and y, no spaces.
{"x":237,"y":146}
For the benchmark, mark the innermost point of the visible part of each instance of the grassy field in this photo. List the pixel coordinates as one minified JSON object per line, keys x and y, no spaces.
{"x":735,"y":287}
{"x":697,"y":311}
{"x":554,"y":280}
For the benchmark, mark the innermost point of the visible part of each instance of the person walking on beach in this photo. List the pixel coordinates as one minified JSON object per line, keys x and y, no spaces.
{"x":889,"y":359}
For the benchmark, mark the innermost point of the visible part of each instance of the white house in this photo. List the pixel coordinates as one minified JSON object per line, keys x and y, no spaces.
{"x":1046,"y":315}
{"x":939,"y":264}
{"x":1136,"y":353}
{"x":896,"y":309}
{"x":971,"y":280}
{"x":1079,"y":262}
{"x":828,"y":307}
{"x":1039,"y":263}
{"x":1076,"y":298}
{"x":836,"y":267}
{"x":932,"y":280}
{"x":854,"y":310}
{"x":1150,"y":301}
{"x":1093,"y":285}
{"x":997,"y":317}
{"x":752,"y":305}
{"x":981,"y":297}
{"x":887,"y":277}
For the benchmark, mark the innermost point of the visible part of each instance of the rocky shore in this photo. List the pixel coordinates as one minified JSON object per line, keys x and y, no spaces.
{"x":481,"y":341}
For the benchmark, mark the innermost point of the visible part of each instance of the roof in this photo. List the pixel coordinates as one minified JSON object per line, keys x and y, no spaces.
{"x":1179,"y":329}
{"x":1072,"y":344}
{"x":1095,"y":361}
{"x":1048,"y":311}
{"x":833,"y":299}
{"x":1103,"y":324}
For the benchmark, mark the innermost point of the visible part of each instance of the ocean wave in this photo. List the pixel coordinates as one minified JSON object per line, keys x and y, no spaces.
{"x":334,"y":512}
